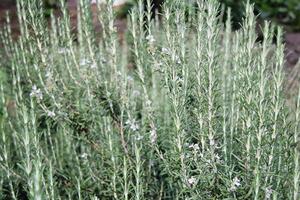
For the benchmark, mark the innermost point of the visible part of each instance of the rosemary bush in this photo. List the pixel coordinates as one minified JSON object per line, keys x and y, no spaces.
{"x":182,"y":108}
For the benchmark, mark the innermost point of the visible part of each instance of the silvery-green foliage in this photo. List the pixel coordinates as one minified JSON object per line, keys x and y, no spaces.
{"x":181,"y":108}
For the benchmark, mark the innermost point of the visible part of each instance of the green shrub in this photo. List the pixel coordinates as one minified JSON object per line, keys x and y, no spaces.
{"x":289,"y":9}
{"x":200,"y":114}
{"x":283,"y":11}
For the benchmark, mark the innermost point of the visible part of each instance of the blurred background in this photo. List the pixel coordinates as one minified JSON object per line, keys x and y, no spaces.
{"x":283,"y":12}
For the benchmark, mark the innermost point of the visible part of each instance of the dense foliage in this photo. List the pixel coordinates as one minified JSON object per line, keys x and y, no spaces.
{"x":182,"y":108}
{"x":285,"y":12}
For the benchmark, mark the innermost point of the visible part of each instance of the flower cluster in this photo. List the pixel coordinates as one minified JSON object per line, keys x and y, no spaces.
{"x":153,"y":135}
{"x":194,"y":147}
{"x":36,"y":92}
{"x":192,"y":181}
{"x":235,"y":184}
{"x":51,"y":114}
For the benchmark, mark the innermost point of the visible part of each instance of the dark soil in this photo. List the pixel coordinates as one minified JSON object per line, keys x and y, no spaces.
{"x":292,"y":39}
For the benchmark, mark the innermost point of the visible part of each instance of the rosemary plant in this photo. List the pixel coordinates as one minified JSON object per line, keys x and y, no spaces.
{"x":182,"y":107}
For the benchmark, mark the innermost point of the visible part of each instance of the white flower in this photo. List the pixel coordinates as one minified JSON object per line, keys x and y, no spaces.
{"x":158,"y":66}
{"x":84,"y":62}
{"x":151,"y":163}
{"x":269,"y":192}
{"x":48,"y":74}
{"x":148,"y":102}
{"x":1,"y":159}
{"x":211,"y":142}
{"x":129,"y":78}
{"x":139,"y":137}
{"x":103,"y":60}
{"x":165,"y":51}
{"x":195,"y":147}
{"x":136,"y":93}
{"x":84,"y":156}
{"x":178,"y":61}
{"x":51,"y":113}
{"x":218,"y":159}
{"x":178,"y":79}
{"x":119,"y":73}
{"x":235,"y":184}
{"x":150,"y":39}
{"x":94,"y":66}
{"x":153,"y":136}
{"x":133,"y":125}
{"x":63,"y":114}
{"x":35,"y":92}
{"x":192,"y":181}
{"x":63,"y":50}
